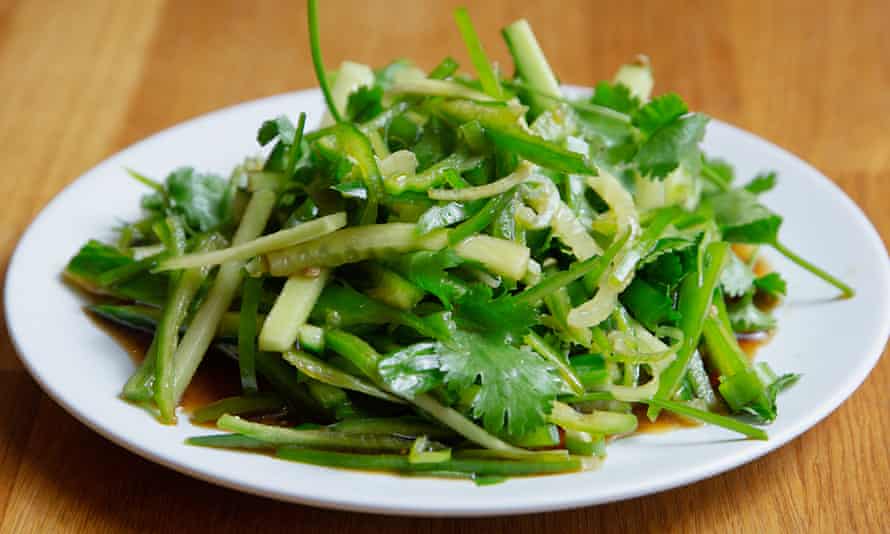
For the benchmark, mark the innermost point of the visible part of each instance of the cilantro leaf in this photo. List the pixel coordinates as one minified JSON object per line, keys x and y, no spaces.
{"x":412,"y":370}
{"x":761,"y":183}
{"x":280,"y":127}
{"x":501,"y":318}
{"x":768,"y":413}
{"x":365,"y":103}
{"x":721,"y":168}
{"x":672,"y":145}
{"x":648,"y":304}
{"x":772,"y":284}
{"x":428,"y":271}
{"x":202,"y":200}
{"x":516,"y":386}
{"x":615,"y":96}
{"x":736,"y":278}
{"x":659,"y":112}
{"x":743,"y":219}
{"x":746,"y":317}
{"x":670,"y":261}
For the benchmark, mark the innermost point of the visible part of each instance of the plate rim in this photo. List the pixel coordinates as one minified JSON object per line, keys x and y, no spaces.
{"x":544,"y":503}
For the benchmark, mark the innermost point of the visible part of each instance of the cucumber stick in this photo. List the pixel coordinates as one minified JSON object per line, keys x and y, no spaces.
{"x":290,"y":311}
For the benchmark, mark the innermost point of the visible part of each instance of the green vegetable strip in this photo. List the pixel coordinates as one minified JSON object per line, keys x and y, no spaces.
{"x":846,"y":291}
{"x":318,"y":62}
{"x":357,"y":351}
{"x":330,"y":375}
{"x":145,"y":318}
{"x":391,"y":288}
{"x":399,"y":426}
{"x":740,"y":386}
{"x":696,"y":293}
{"x":130,"y":270}
{"x":597,"y":422}
{"x":481,"y":220}
{"x":531,"y":64}
{"x":142,"y":385}
{"x":200,"y":333}
{"x":291,"y":310}
{"x":358,"y":148}
{"x":293,"y":155}
{"x":146,"y":181}
{"x":330,"y":439}
{"x":266,"y":402}
{"x":466,"y":428}
{"x":172,"y":234}
{"x":281,"y":239}
{"x":593,"y":267}
{"x":351,"y":245}
{"x":484,"y":70}
{"x":228,"y":441}
{"x":381,"y":462}
{"x":445,"y":69}
{"x":540,"y":346}
{"x":250,"y":301}
{"x":708,"y":417}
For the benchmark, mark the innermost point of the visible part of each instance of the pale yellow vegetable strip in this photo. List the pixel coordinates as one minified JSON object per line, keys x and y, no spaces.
{"x":200,"y":333}
{"x":506,"y":258}
{"x":276,"y":241}
{"x":290,"y":311}
{"x":519,"y":176}
{"x":351,"y":245}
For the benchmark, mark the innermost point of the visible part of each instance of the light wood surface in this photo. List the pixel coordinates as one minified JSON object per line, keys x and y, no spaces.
{"x":80,"y":80}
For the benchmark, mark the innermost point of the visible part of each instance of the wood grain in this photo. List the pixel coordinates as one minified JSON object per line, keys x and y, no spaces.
{"x":80,"y":80}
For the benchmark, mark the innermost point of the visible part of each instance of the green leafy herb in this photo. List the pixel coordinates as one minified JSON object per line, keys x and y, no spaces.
{"x":761,"y":183}
{"x":364,"y":104}
{"x":737,"y":278}
{"x":671,"y":145}
{"x":202,"y":200}
{"x":615,"y":96}
{"x":772,"y":284}
{"x":659,"y":112}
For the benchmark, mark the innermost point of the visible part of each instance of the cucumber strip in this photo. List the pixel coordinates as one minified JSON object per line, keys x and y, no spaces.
{"x":291,"y":310}
{"x":279,"y":240}
{"x":200,"y":333}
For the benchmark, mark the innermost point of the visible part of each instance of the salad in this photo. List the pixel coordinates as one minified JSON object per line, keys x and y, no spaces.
{"x":457,"y":276}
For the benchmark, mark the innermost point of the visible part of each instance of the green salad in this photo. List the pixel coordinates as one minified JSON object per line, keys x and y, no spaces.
{"x":455,"y":275}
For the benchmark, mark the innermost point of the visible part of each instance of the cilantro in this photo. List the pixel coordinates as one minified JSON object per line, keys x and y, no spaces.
{"x":203,"y":200}
{"x":671,"y":145}
{"x":428,"y":271}
{"x":736,"y":278}
{"x":746,"y":317}
{"x":615,"y":96}
{"x":648,"y":304}
{"x":364,"y":104}
{"x":658,"y":113}
{"x":721,"y":168}
{"x":761,"y":183}
{"x":516,"y":387}
{"x":743,"y":219}
{"x":768,"y":413}
{"x":772,"y":284}
{"x":279,"y":127}
{"x":503,"y":318}
{"x":670,"y":261}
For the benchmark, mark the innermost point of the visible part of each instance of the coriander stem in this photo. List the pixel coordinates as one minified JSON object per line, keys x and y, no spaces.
{"x":846,"y":291}
{"x":318,"y":62}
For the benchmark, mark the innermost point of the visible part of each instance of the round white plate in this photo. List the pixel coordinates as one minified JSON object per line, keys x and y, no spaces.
{"x":834,"y":344}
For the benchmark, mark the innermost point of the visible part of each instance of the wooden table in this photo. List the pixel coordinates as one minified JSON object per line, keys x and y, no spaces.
{"x":80,"y":80}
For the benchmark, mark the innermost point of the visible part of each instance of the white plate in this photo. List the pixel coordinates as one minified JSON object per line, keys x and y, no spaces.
{"x":833,"y":343}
